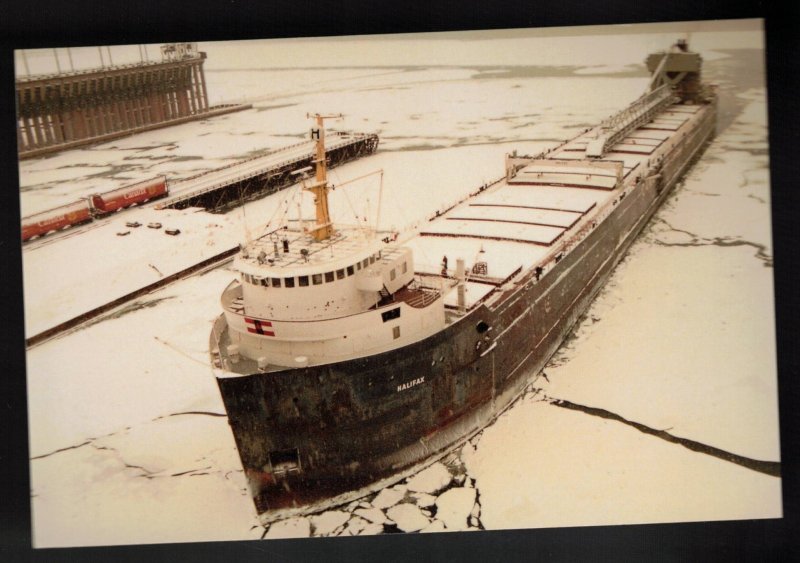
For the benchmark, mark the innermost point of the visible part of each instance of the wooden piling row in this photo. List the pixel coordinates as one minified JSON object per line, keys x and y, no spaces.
{"x":60,"y":109}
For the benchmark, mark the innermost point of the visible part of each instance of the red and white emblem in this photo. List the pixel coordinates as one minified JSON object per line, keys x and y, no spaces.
{"x":257,"y":326}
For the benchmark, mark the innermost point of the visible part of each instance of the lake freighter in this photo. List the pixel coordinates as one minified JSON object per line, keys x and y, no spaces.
{"x":346,"y":361}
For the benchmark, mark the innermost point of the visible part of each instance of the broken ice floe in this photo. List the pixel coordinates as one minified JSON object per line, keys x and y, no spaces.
{"x":437,"y":499}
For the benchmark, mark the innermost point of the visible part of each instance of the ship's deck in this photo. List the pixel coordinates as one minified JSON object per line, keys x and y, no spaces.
{"x":523,"y":222}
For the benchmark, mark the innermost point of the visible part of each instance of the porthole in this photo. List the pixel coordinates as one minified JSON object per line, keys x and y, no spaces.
{"x":482,"y":327}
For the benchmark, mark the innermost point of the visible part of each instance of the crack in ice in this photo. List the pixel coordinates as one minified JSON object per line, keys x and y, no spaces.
{"x":181,"y":352}
{"x":772,"y":468}
{"x":146,"y":472}
{"x":60,"y":450}
{"x":192,"y":472}
{"x":724,"y":242}
{"x":203,"y":413}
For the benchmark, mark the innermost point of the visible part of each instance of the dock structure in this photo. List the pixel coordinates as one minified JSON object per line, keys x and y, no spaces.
{"x":69,"y":109}
{"x":227,"y":187}
{"x":216,"y":190}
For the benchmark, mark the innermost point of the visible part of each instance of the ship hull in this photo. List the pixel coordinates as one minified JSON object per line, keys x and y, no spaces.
{"x":317,"y":436}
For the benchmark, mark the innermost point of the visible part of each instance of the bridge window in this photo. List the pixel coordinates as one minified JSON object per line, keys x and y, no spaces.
{"x":396,"y":332}
{"x":328,"y":277}
{"x":302,"y":281}
{"x":365,"y":262}
{"x":264,"y":282}
{"x":276,"y":282}
{"x":372,"y":259}
{"x":339,"y":274}
{"x":288,"y":282}
{"x":350,"y":271}
{"x":358,"y":266}
{"x":404,"y":267}
{"x":317,"y":279}
{"x":392,"y":274}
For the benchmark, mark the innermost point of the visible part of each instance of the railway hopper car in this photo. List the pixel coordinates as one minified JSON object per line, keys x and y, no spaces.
{"x":128,"y":196}
{"x":95,"y":206}
{"x":56,"y":219}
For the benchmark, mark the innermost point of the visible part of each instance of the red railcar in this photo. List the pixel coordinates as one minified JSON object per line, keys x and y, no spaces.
{"x":55,"y":219}
{"x":127,"y":196}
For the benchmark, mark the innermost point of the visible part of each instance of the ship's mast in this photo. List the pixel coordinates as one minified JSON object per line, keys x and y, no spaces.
{"x":323,"y":229}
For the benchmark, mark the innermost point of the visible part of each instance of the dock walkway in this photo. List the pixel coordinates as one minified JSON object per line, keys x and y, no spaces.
{"x":234,"y":184}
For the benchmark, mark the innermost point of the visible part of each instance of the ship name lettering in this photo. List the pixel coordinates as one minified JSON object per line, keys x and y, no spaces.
{"x":412,"y":383}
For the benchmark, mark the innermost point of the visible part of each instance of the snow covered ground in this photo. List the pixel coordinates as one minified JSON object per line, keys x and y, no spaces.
{"x":128,"y":439}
